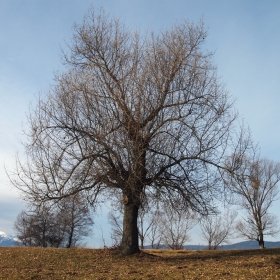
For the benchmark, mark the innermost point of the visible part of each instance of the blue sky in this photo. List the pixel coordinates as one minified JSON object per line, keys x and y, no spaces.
{"x":244,"y":34}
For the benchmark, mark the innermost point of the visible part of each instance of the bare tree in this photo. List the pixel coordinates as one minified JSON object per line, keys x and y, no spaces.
{"x":154,"y":235}
{"x":75,"y":216}
{"x":60,"y":225}
{"x":248,"y":228}
{"x":175,"y":227}
{"x":37,"y":228}
{"x":141,"y":116}
{"x":256,"y":187}
{"x":115,"y":220}
{"x":23,"y":229}
{"x":217,"y":229}
{"x":145,"y":223}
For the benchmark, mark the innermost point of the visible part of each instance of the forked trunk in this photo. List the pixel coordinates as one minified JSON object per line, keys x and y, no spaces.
{"x":129,"y":244}
{"x":142,"y":242}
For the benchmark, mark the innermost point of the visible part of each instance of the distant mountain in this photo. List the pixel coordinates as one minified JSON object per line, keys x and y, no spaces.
{"x":11,"y":241}
{"x":241,"y":245}
{"x":7,"y":240}
{"x":251,"y":245}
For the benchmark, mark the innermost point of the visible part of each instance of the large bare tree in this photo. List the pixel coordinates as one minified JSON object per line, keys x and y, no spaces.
{"x":256,"y":187}
{"x":140,"y":116}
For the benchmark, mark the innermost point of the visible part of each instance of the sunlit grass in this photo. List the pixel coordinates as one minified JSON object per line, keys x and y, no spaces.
{"x":40,"y":263}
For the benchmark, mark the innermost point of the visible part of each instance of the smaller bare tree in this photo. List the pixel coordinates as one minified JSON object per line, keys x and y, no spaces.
{"x":23,"y":229}
{"x":248,"y":228}
{"x":75,"y":216}
{"x":59,"y":225}
{"x":115,"y":220}
{"x":175,"y":227}
{"x":143,"y":227}
{"x":37,"y":228}
{"x":255,"y":185}
{"x":217,"y":229}
{"x":154,"y":235}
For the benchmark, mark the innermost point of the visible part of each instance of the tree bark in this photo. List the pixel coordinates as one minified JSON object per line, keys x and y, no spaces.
{"x":130,"y":244}
{"x":70,"y":238}
{"x":142,"y":243}
{"x":261,"y":241}
{"x":131,"y":194}
{"x":141,"y":236}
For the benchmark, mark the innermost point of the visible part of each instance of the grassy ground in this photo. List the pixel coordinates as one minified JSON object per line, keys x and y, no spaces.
{"x":39,"y":263}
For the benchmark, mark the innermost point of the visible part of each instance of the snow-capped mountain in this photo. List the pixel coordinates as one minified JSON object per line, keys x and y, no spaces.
{"x":7,"y":240}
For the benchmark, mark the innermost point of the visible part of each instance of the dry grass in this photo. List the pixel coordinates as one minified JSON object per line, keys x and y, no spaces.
{"x":39,"y":263}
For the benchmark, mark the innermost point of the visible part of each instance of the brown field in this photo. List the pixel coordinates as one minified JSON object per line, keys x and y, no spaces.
{"x":39,"y":263}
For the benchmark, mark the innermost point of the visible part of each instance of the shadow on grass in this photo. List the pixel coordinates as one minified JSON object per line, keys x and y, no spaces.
{"x":208,"y":254}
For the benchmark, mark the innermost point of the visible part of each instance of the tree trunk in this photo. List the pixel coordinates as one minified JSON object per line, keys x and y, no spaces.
{"x":70,"y":238}
{"x":132,"y":193}
{"x":261,"y":241}
{"x":141,"y":233}
{"x":142,"y":242}
{"x":130,"y":244}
